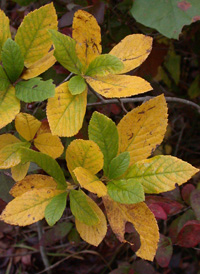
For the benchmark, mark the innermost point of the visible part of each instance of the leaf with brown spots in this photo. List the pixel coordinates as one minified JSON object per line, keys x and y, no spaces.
{"x":142,"y":219}
{"x":87,"y":34}
{"x":33,"y":181}
{"x":29,"y":207}
{"x":143,"y":129}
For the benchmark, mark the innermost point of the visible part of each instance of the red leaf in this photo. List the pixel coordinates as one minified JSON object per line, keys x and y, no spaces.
{"x":195,"y":202}
{"x":178,"y":223}
{"x":164,"y":251}
{"x":189,"y":236}
{"x":158,"y":211}
{"x":169,"y":206}
{"x":186,"y":191}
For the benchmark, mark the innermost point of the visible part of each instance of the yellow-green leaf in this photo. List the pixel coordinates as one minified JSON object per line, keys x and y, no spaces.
{"x":49,"y":144}
{"x":29,"y":207}
{"x":27,"y":125}
{"x":10,"y":154}
{"x":89,"y":181}
{"x":161,"y":173}
{"x":8,"y":139}
{"x":87,"y":34}
{"x":133,"y":50}
{"x":81,"y":209}
{"x":86,"y":154}
{"x":118,"y":85}
{"x":142,"y":219}
{"x":142,"y":129}
{"x":77,"y":85}
{"x":40,"y":66}
{"x":4,"y":30}
{"x":65,"y":112}
{"x":9,"y":106}
{"x":4,"y":81}
{"x":65,"y":51}
{"x":20,"y":171}
{"x":32,"y":35}
{"x":93,"y":234}
{"x":33,"y":181}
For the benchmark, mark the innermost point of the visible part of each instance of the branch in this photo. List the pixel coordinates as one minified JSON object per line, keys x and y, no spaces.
{"x":142,"y":99}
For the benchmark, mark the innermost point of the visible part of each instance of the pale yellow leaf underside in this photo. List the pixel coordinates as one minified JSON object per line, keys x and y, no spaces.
{"x":49,"y":144}
{"x":118,"y":85}
{"x":86,"y":154}
{"x":8,"y":139}
{"x":32,"y":35}
{"x":4,"y":29}
{"x":87,"y":33}
{"x":132,"y":51}
{"x":20,"y":171}
{"x":9,"y":106}
{"x":93,"y":234}
{"x":40,"y":66}
{"x":29,"y":207}
{"x":142,"y":219}
{"x":90,"y":182}
{"x":33,"y":181}
{"x":142,"y":129}
{"x":27,"y":125}
{"x":65,"y":112}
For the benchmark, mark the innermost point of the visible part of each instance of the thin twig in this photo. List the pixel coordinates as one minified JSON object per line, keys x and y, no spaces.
{"x":67,"y":78}
{"x":145,"y":98}
{"x":122,"y":105}
{"x":179,"y":140}
{"x":42,"y":248}
{"x":97,"y":95}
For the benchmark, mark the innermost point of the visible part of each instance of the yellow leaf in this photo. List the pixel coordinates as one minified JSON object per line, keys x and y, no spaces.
{"x":49,"y":144}
{"x":33,"y":181}
{"x":142,"y":129}
{"x":10,"y":156}
{"x":133,"y":50}
{"x":65,"y":112}
{"x":27,"y":125}
{"x":20,"y":171}
{"x":87,"y":33}
{"x":9,"y":106}
{"x":142,"y":219}
{"x":118,"y":85}
{"x":32,"y":35}
{"x":40,"y":66}
{"x":93,"y":234}
{"x":90,"y":182}
{"x":29,"y":207}
{"x":86,"y":154}
{"x":8,"y":139}
{"x":161,"y":173}
{"x":4,"y":30}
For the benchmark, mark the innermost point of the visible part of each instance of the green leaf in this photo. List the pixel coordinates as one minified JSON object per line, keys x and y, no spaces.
{"x":168,"y":17}
{"x":55,"y":208}
{"x":161,"y":173}
{"x":104,"y":64}
{"x":12,"y":59}
{"x":35,"y":90}
{"x":81,"y":209}
{"x":126,"y":191}
{"x":65,"y":51}
{"x":48,"y":164}
{"x":6,"y":184}
{"x":119,"y":165}
{"x":103,"y":132}
{"x":4,"y":81}
{"x":77,"y":85}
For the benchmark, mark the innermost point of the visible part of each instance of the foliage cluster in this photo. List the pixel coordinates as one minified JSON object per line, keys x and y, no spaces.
{"x":113,"y":163}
